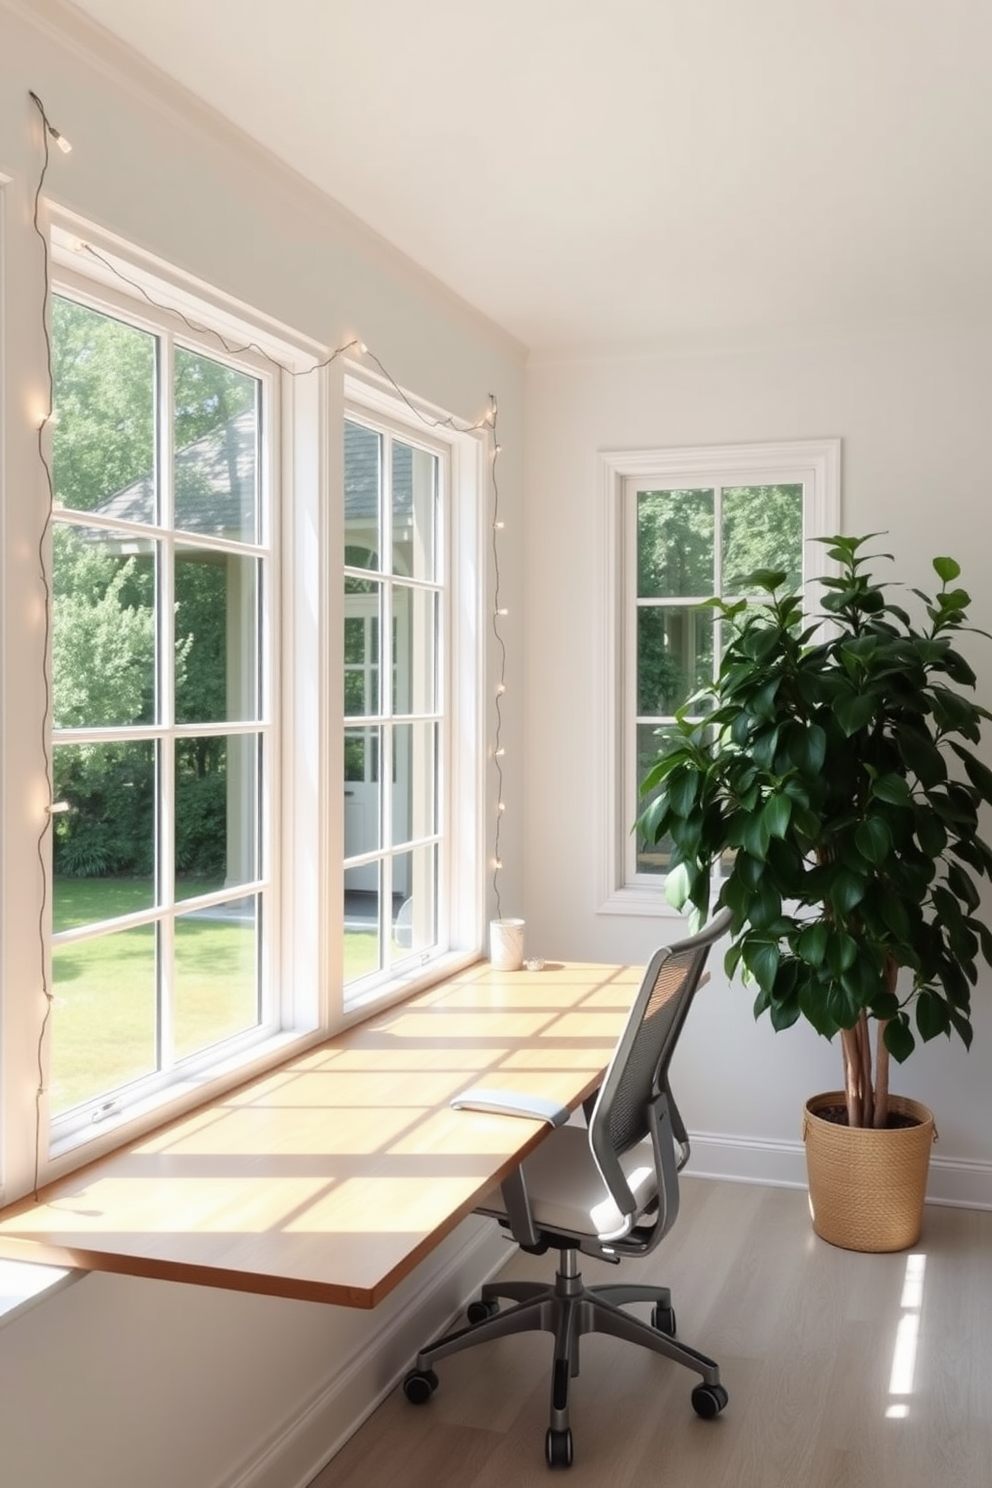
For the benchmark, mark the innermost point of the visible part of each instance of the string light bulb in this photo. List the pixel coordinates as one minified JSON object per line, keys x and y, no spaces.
{"x":56,"y":134}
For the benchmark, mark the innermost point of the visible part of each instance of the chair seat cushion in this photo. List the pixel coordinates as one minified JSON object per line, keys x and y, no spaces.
{"x":565,"y":1188}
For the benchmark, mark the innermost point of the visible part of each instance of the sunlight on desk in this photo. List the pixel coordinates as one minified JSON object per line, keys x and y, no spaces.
{"x":332,"y":1176}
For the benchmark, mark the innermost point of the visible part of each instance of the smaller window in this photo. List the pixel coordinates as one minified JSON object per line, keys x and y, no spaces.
{"x":685,"y":525}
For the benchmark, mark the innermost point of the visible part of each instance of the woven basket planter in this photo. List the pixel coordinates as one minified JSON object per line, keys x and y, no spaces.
{"x":866,"y":1187}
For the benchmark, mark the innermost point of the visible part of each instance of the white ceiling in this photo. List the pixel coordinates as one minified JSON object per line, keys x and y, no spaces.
{"x":603,"y":173}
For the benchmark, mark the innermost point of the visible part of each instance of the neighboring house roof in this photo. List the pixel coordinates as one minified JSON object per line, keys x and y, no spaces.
{"x":215,"y":484}
{"x":215,"y":481}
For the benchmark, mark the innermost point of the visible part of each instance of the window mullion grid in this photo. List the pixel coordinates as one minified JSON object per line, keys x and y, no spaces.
{"x":165,"y":695}
{"x":386,"y":688}
{"x":630,"y":658}
{"x":717,"y":575}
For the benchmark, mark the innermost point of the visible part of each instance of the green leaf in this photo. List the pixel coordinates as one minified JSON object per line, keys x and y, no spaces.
{"x":922,"y":756}
{"x":816,"y":750}
{"x":766,"y":906}
{"x":757,"y":836}
{"x":784,"y":1014}
{"x":960,"y":883}
{"x":978,"y":773}
{"x":814,"y":1007}
{"x":895,"y":916}
{"x":766,"y":579}
{"x":947,"y":569}
{"x":932,"y":1016}
{"x":899,"y":1038}
{"x":683,"y":789}
{"x":892,"y":788}
{"x":811,"y":945}
{"x":763,"y":747}
{"x":873,"y":839}
{"x":846,"y":890}
{"x":677,"y":886}
{"x":761,"y":957}
{"x":777,"y":811}
{"x":854,"y":711}
{"x":842,"y":952}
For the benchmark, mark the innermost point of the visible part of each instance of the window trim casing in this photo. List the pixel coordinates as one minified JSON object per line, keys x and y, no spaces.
{"x":816,"y":463}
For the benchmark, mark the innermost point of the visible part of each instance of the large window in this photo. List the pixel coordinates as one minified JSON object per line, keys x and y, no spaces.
{"x":161,"y":705}
{"x":266,"y":781}
{"x":686,"y":525}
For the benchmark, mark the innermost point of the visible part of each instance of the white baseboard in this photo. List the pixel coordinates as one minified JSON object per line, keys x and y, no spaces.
{"x":959,"y":1182}
{"x":420,"y":1308}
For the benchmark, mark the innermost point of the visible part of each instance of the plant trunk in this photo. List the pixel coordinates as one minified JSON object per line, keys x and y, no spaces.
{"x":852,"y":1076}
{"x":891,"y":975}
{"x":867,"y":1086}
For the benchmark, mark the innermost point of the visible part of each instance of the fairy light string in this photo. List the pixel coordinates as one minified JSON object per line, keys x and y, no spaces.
{"x":487,"y":424}
{"x":48,"y":131}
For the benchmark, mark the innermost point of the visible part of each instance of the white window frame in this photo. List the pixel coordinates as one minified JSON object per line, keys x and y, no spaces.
{"x":300,"y":1010}
{"x":815,"y":464}
{"x":371,"y":399}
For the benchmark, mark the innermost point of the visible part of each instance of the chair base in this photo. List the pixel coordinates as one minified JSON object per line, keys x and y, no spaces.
{"x":568,"y":1309}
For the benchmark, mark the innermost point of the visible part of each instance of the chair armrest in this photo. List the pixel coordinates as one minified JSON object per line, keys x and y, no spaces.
{"x":511,"y":1103}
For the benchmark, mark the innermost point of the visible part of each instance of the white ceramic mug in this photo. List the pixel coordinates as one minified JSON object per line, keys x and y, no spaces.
{"x":506,"y":944}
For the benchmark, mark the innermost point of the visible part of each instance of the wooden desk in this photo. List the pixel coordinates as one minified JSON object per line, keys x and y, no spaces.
{"x":331,"y":1177}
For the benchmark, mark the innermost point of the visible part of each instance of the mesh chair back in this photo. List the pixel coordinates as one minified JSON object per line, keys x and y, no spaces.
{"x":638,"y":1070}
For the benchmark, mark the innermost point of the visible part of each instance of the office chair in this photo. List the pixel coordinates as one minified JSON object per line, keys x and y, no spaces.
{"x":609,"y":1190}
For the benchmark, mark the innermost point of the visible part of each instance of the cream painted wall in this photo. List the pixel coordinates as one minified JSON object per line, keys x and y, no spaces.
{"x":116,"y":1382}
{"x":911,"y":405}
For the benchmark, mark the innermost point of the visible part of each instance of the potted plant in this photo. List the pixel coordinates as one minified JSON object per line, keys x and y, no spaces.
{"x":830,"y":782}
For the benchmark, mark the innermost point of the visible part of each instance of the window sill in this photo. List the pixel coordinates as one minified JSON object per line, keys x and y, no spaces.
{"x":640,"y":901}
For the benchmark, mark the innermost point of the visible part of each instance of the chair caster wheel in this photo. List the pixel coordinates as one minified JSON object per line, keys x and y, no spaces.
{"x":558,"y":1447}
{"x":663,"y":1319}
{"x":419,"y":1386}
{"x":478,"y":1311}
{"x":708,"y":1400}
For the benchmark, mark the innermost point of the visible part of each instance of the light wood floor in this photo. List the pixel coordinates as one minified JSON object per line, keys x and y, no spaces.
{"x":844,"y":1371}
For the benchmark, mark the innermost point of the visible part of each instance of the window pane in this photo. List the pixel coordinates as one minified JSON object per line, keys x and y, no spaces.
{"x":414,"y":511}
{"x":103,"y":444}
{"x":414,"y":649}
{"x":216,"y":813}
{"x":415,"y":886}
{"x":361,"y":653}
{"x":414,"y":781}
{"x":675,"y":553}
{"x":674,"y":656}
{"x":215,"y":435}
{"x":104,"y":1022}
{"x":651,"y":739}
{"x":106,"y":839}
{"x":361,"y":795}
{"x":216,"y":637}
{"x":216,"y":974}
{"x":762,"y":528}
{"x":103,"y":628}
{"x":362,"y":484}
{"x":362,"y":946}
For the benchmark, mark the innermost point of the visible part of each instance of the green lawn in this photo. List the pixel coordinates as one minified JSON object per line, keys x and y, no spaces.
{"x":104,"y":1023}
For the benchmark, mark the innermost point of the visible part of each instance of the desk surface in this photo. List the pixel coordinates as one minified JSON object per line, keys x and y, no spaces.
{"x":331,"y":1177}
